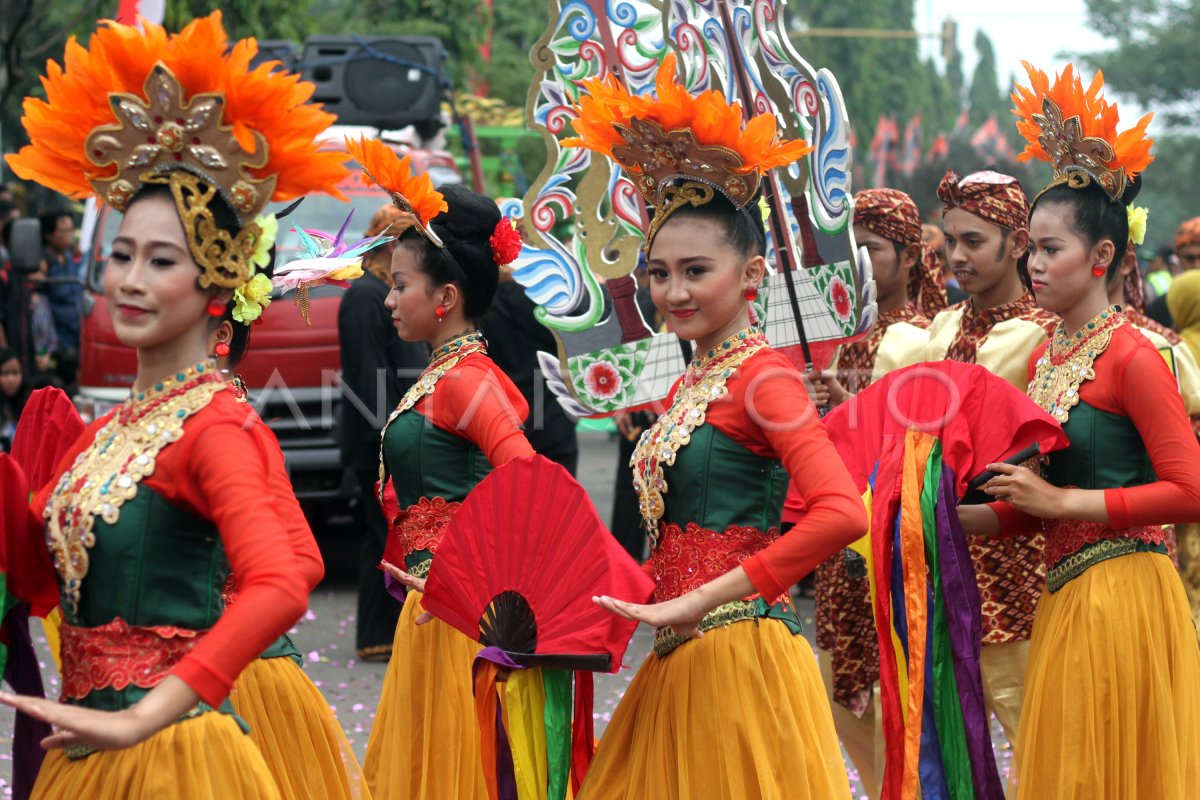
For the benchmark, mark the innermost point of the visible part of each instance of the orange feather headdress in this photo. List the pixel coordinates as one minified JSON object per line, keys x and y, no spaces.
{"x":414,"y":195}
{"x":1075,"y":130}
{"x":702,"y":140}
{"x":137,"y":107}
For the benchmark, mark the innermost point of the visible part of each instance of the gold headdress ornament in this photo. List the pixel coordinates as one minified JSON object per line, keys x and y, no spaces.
{"x":138,"y":107}
{"x":1075,"y":130}
{"x":678,"y":148}
{"x":413,"y":195}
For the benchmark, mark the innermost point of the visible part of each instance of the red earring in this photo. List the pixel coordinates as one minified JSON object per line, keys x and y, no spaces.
{"x":216,"y":307}
{"x":221,"y":350}
{"x":1099,"y":271}
{"x":750,"y":292}
{"x":440,"y":312}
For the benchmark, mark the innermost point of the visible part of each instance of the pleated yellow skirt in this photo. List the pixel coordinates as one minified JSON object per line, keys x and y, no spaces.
{"x":202,"y":758}
{"x":1112,"y":695}
{"x":738,"y":713}
{"x":424,"y":744}
{"x":297,"y":733}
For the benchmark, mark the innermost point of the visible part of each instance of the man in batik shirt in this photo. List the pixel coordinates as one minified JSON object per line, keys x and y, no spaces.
{"x":888,"y":225}
{"x":986,"y":219}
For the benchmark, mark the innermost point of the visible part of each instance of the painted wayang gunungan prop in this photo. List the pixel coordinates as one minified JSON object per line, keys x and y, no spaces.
{"x":820,"y":292}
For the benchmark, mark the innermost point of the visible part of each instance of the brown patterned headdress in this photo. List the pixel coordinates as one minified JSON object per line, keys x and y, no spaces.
{"x":988,"y":195}
{"x":893,"y":215}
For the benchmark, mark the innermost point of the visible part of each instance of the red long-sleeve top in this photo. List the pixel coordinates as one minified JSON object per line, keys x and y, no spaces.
{"x":477,"y":401}
{"x":767,"y":410}
{"x":1133,"y":380}
{"x":217,"y":470}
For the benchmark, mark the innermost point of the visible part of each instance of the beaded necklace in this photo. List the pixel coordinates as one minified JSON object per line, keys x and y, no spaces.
{"x":1067,"y":363}
{"x":443,"y":359}
{"x":106,"y":475}
{"x":703,"y":382}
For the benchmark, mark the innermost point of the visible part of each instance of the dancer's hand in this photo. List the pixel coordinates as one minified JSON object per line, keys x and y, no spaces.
{"x":1026,"y":491}
{"x":108,"y":730}
{"x":412,"y":582}
{"x":683,"y":614}
{"x":408,"y":579}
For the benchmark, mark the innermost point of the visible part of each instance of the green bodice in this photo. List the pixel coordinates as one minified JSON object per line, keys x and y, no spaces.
{"x":427,"y":461}
{"x":1106,"y":451}
{"x":715,"y":483}
{"x":158,"y":565}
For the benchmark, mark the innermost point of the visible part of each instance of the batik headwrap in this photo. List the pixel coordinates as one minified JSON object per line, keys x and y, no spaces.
{"x":893,"y":215}
{"x":1188,"y":233}
{"x":988,"y":195}
{"x":140,"y":107}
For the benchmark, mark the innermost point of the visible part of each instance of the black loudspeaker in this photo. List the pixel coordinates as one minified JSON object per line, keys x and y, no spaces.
{"x":280,"y":50}
{"x":385,"y":82}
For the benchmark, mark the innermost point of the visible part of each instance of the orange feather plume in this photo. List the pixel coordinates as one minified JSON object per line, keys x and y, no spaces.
{"x":118,"y":59}
{"x":1098,"y":118}
{"x":712,"y":119}
{"x":392,"y":173}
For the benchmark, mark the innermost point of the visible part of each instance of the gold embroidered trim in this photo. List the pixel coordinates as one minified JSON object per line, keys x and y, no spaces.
{"x":666,"y":639}
{"x":1067,"y":363}
{"x":106,"y":475}
{"x":703,"y":382}
{"x":1075,"y":565}
{"x":444,"y":359}
{"x":421,"y":570}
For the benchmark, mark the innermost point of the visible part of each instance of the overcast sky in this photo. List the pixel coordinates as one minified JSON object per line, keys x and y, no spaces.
{"x":1032,"y":30}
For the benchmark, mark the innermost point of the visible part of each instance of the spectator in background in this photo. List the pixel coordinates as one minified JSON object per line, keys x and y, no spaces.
{"x":377,"y":369}
{"x":14,"y":391}
{"x":63,"y":289}
{"x":1162,"y":270}
{"x":933,"y":236}
{"x":514,"y":337}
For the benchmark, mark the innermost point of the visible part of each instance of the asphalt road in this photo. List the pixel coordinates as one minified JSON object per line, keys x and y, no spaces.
{"x":326,"y":633}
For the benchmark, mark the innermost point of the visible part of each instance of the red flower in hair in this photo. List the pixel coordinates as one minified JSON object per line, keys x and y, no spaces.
{"x":506,"y":242}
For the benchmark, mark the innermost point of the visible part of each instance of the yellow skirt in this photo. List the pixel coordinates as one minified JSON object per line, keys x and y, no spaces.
{"x":202,"y":758}
{"x":1112,"y":695}
{"x":294,"y":728}
{"x":424,"y":744}
{"x":740,"y":712}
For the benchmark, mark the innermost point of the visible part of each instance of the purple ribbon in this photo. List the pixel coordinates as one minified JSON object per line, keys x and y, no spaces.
{"x":964,"y":618}
{"x":506,"y":773}
{"x":22,"y":674}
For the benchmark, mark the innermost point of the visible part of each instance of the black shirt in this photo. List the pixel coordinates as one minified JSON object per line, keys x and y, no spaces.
{"x":514,"y":337}
{"x":373,"y":355}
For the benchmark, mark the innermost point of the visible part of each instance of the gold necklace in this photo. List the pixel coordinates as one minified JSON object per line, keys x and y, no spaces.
{"x":703,"y":382}
{"x":443,"y":359}
{"x":1067,"y":363}
{"x":106,"y":475}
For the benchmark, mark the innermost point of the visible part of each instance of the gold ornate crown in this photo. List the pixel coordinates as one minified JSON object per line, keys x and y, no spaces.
{"x":679,"y":149}
{"x":1075,"y":130}
{"x":186,"y":111}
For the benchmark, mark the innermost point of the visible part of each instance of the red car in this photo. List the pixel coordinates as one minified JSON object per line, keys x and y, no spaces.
{"x":291,"y":367}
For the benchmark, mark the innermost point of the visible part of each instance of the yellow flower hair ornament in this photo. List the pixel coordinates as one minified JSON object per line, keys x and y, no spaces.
{"x":1137,"y":223}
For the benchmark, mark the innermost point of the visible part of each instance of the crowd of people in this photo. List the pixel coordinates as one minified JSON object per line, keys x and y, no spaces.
{"x":168,"y":541}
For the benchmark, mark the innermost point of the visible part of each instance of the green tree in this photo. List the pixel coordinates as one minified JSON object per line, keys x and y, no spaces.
{"x":262,"y":19}
{"x":984,"y":98}
{"x":1154,"y":58}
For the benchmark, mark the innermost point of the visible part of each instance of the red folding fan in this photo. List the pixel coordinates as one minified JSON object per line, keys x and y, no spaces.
{"x":519,"y":564}
{"x":49,"y":425}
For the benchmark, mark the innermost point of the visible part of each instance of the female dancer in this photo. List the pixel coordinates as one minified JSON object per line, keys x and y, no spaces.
{"x":461,"y":418}
{"x":158,"y":499}
{"x":1112,"y":697}
{"x":290,"y":721}
{"x":730,"y":703}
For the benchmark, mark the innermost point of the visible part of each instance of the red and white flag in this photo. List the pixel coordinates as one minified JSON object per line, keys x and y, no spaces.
{"x":128,"y":11}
